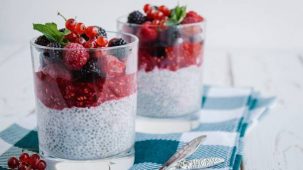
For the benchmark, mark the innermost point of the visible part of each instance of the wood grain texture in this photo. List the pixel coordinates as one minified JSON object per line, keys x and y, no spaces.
{"x":277,"y":141}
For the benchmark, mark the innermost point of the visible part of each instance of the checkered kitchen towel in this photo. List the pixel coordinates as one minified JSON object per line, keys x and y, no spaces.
{"x":226,"y":114}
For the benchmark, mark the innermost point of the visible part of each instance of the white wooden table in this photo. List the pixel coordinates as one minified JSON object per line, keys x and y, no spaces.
{"x":276,"y":143}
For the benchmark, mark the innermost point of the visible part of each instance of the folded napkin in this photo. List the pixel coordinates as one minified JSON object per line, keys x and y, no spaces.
{"x":226,"y":115}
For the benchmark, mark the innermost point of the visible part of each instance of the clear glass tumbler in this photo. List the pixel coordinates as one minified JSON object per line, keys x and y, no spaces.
{"x":169,"y":75}
{"x":86,"y":115}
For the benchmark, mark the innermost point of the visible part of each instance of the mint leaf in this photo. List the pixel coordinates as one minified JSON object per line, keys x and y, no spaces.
{"x":177,"y":15}
{"x":50,"y":30}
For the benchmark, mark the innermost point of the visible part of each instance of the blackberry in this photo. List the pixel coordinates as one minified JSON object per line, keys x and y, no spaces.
{"x":89,"y":72}
{"x":53,"y":55}
{"x":136,"y":17}
{"x":116,"y":42}
{"x":120,"y":53}
{"x":62,"y":29}
{"x":42,"y":40}
{"x":101,"y":31}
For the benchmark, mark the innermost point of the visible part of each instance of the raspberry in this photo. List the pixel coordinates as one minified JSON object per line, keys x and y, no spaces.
{"x":89,"y":72}
{"x":116,"y":42}
{"x":192,"y":17}
{"x":136,"y":17}
{"x":56,"y":70}
{"x":75,"y":56}
{"x":101,"y":31}
{"x":111,"y":66}
{"x":42,"y":40}
{"x":147,"y":32}
{"x":53,"y":55}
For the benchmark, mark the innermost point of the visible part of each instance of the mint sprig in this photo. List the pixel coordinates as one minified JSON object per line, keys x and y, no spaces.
{"x":177,"y":15}
{"x":50,"y":30}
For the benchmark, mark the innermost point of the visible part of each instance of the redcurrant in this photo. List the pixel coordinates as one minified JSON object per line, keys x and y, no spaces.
{"x":24,"y":157}
{"x":34,"y":159}
{"x":71,"y":37}
{"x":158,"y":15}
{"x":70,"y":24}
{"x":80,"y":28}
{"x":13,"y":162}
{"x":102,"y":41}
{"x":90,"y":43}
{"x":164,"y":9}
{"x":147,"y":7}
{"x":41,"y":165}
{"x":91,"y":31}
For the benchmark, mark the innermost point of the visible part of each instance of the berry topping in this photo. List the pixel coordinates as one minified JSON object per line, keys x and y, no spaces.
{"x":164,"y":9}
{"x":147,"y":8}
{"x":53,"y":55}
{"x":56,"y":70}
{"x":70,"y":24}
{"x":91,"y":31}
{"x":13,"y":162}
{"x":116,"y":42}
{"x":102,"y":41}
{"x":101,"y":32}
{"x":42,"y":40}
{"x":75,"y":56}
{"x":80,"y":28}
{"x":26,"y":162}
{"x":71,"y":37}
{"x":136,"y":17}
{"x":147,"y":32}
{"x":90,"y":43}
{"x":24,"y":157}
{"x":89,"y":72}
{"x":111,"y":66}
{"x":41,"y":165}
{"x":192,"y":17}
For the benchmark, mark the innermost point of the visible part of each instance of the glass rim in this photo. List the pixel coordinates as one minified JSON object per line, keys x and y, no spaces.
{"x":119,"y":20}
{"x":134,"y":42}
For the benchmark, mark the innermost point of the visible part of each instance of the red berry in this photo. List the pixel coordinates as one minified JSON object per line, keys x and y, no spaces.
{"x":111,"y":66}
{"x":55,"y":70}
{"x":41,"y":165}
{"x":13,"y":162}
{"x":148,"y":32}
{"x":34,"y":159}
{"x":80,"y":28}
{"x":24,"y":157}
{"x":91,"y":31}
{"x":192,"y":17}
{"x":70,"y":24}
{"x":23,"y":167}
{"x":164,"y":9}
{"x":71,"y":37}
{"x":147,"y":7}
{"x":80,"y":40}
{"x":75,"y":56}
{"x":159,"y":15}
{"x":156,"y":22}
{"x":102,"y":41}
{"x":91,"y":43}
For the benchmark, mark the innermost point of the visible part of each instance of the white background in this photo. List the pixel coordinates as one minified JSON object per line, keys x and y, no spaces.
{"x":231,"y":23}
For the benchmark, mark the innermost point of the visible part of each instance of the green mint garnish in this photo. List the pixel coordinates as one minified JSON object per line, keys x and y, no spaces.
{"x":50,"y":30}
{"x":177,"y":15}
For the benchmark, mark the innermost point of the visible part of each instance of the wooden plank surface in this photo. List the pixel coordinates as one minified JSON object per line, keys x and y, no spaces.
{"x":277,"y":142}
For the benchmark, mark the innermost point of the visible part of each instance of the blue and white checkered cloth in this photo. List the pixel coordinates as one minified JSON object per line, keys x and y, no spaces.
{"x":226,"y":115}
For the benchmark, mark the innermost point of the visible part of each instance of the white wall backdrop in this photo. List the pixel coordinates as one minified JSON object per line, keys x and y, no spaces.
{"x":231,"y":23}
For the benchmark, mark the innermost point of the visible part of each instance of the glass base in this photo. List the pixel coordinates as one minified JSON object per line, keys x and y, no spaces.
{"x":122,"y":161}
{"x":167,"y":125}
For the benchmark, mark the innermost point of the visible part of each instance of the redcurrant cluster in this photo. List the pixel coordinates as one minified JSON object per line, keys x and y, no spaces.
{"x":157,"y":14}
{"x":79,"y":31}
{"x":26,"y":162}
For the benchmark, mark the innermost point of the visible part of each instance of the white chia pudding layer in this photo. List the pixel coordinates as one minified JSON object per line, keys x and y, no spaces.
{"x":87,"y":133}
{"x":165,"y":94}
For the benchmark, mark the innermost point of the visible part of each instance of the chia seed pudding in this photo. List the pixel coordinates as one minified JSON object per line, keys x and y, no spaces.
{"x":86,"y":92}
{"x":170,"y":60}
{"x":87,"y":133}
